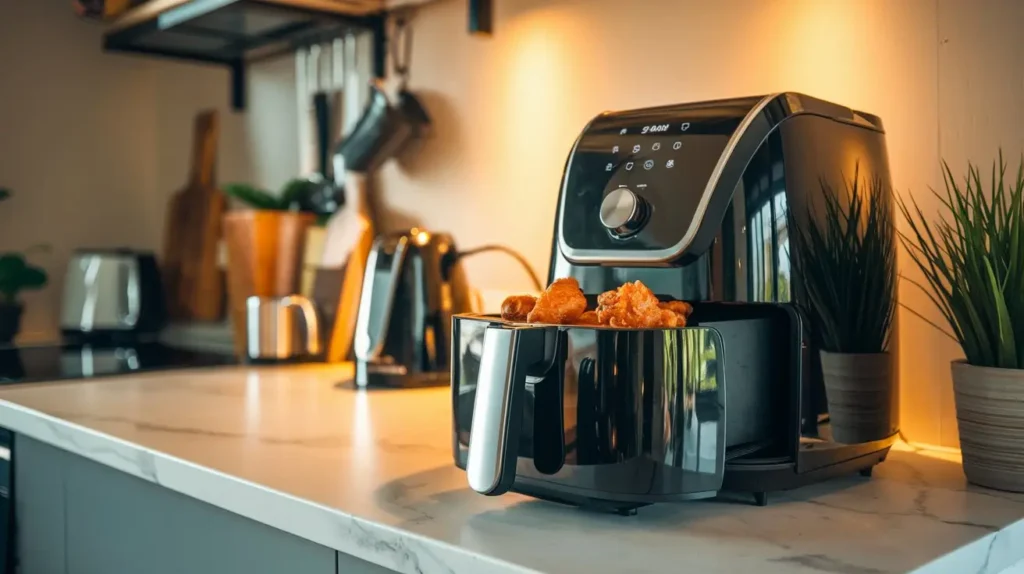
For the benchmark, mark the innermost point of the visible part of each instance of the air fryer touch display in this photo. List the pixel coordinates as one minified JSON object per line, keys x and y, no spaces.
{"x":665,"y":156}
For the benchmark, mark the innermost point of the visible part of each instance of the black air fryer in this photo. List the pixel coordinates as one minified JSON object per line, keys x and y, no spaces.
{"x":697,"y":202}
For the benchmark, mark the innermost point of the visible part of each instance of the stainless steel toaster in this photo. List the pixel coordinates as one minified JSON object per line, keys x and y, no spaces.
{"x":112,"y":292}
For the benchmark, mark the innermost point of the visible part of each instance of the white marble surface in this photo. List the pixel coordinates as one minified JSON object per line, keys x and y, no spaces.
{"x":371,"y":474}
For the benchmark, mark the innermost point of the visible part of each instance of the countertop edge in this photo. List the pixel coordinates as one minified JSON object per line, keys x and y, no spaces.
{"x":990,"y":554}
{"x":379,"y":544}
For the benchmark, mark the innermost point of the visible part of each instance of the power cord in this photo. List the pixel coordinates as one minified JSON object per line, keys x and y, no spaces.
{"x":510,"y":252}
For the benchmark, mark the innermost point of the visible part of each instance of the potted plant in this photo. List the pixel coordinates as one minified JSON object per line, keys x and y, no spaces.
{"x":972,"y":257}
{"x":16,"y":275}
{"x":265,"y":242}
{"x":846,"y":268}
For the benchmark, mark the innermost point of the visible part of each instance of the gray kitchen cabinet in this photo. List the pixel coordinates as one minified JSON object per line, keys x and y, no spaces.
{"x":39,"y":507}
{"x":351,"y":565}
{"x":76,"y":516}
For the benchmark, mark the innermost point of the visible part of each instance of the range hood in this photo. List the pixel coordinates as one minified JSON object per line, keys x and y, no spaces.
{"x":237,"y":32}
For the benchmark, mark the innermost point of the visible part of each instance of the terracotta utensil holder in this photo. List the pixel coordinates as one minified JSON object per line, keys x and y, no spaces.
{"x":265,"y":251}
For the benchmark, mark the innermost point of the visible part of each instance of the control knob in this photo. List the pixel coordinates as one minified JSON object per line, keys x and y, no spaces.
{"x":623,"y":212}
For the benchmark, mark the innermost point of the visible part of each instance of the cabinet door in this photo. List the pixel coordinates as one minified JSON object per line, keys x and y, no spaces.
{"x":39,"y":506}
{"x":351,"y":565}
{"x":117,"y":523}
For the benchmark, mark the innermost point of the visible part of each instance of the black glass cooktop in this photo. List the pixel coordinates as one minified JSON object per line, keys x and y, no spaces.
{"x":77,"y":361}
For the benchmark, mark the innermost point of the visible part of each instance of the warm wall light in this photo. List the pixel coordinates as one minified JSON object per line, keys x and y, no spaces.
{"x":481,"y":16}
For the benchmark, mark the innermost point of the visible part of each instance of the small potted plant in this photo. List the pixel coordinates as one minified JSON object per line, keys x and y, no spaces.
{"x":972,"y":258}
{"x":846,"y":269}
{"x":16,"y":275}
{"x":265,"y":242}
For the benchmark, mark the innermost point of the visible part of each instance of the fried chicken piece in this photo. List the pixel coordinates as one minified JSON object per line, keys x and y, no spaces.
{"x":517,"y":307}
{"x":634,"y":306}
{"x":588,"y":319}
{"x":561,"y":303}
{"x":678,"y":307}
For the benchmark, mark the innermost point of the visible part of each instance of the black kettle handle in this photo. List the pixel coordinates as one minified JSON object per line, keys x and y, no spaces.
{"x":508,"y":354}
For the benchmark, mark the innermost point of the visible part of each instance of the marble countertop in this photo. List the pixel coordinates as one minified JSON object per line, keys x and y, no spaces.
{"x":371,"y":475}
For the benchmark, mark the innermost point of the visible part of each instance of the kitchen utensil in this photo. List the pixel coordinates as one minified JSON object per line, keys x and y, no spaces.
{"x":312,"y":255}
{"x":326,"y":295}
{"x":383,"y":130}
{"x":350,"y":235}
{"x":324,"y":196}
{"x":272,"y":329}
{"x":264,"y":258}
{"x":695,"y":201}
{"x":385,"y":127}
{"x":112,"y":293}
{"x":193,"y":282}
{"x":414,"y":283}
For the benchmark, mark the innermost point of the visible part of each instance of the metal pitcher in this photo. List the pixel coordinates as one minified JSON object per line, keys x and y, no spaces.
{"x":273,"y":331}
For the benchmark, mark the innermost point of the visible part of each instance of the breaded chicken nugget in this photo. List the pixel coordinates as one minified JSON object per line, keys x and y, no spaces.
{"x":561,"y":303}
{"x":517,"y":307}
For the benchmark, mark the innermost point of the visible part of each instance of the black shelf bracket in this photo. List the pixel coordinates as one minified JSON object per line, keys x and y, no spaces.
{"x":238,"y":89}
{"x":378,"y":27}
{"x":481,"y":17}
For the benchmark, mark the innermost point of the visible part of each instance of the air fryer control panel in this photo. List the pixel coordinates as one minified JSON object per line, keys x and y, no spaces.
{"x":635,"y":179}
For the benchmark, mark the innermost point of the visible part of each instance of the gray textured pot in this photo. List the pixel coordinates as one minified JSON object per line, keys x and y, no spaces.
{"x":860,"y":391}
{"x":990,"y":414}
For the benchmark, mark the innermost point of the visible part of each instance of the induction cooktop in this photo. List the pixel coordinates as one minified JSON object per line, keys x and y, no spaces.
{"x":83,"y":361}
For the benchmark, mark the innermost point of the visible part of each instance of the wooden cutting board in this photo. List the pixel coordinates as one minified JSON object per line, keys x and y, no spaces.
{"x":193,"y":282}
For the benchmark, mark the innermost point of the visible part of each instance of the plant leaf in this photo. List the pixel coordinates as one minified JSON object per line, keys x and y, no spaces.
{"x":971,"y":261}
{"x":254,"y":197}
{"x":296,"y":194}
{"x":845,"y":266}
{"x":1007,"y":348}
{"x":12,"y":266}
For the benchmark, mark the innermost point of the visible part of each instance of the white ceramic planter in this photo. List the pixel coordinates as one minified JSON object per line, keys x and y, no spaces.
{"x":861,"y":395}
{"x":990,"y":414}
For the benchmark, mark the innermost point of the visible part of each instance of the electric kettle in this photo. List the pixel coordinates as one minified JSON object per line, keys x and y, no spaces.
{"x":414,"y":284}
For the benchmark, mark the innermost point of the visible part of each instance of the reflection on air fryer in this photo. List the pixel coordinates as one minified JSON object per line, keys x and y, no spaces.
{"x":631,"y":306}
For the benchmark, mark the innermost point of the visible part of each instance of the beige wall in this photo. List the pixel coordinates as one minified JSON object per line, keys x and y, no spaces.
{"x":981,"y":108}
{"x":945,"y":75}
{"x":259,"y":145}
{"x":77,"y":139}
{"x":94,"y":144}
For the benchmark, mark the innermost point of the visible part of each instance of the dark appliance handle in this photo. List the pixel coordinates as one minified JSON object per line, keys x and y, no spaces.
{"x":508,"y":355}
{"x":548,"y":410}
